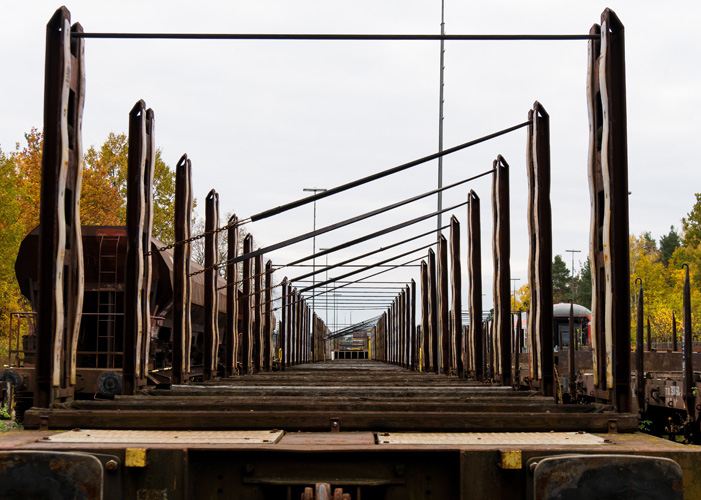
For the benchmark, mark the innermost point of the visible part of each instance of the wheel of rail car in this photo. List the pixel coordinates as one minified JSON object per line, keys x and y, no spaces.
{"x":109,"y":383}
{"x":13,"y":378}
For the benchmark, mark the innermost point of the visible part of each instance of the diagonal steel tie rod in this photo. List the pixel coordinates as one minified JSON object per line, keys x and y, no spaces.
{"x":379,"y":175}
{"x":372,"y":252}
{"x":370,"y":266}
{"x":370,"y":236}
{"x":357,"y":218}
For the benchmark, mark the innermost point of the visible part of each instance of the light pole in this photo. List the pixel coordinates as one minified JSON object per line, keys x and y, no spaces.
{"x":314,"y":190}
{"x":572,"y":286}
{"x":326,"y":295}
{"x":514,"y":287}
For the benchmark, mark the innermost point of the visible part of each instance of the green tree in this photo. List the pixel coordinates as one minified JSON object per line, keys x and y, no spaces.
{"x":668,"y":244}
{"x":582,"y":291}
{"x":561,"y":281}
{"x":691,"y":225}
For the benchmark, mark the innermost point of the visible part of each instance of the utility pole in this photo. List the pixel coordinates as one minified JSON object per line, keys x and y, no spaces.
{"x":572,"y":286}
{"x":314,"y":190}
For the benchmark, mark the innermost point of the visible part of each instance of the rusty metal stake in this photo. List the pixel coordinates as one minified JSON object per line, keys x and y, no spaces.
{"x":232,"y":312}
{"x":474,"y":273}
{"x":687,"y":351}
{"x":211,"y":297}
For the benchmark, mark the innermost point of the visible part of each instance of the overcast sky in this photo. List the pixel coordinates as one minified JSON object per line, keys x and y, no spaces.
{"x":262,"y":120}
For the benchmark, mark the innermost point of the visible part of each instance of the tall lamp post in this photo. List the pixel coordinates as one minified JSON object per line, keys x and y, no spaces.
{"x":514,"y":280}
{"x":314,"y":190}
{"x":572,"y":286}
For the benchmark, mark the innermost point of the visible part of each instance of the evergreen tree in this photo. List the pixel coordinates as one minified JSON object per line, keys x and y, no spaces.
{"x":668,"y":244}
{"x":562,"y":290}
{"x":582,"y":291}
{"x":691,"y":224}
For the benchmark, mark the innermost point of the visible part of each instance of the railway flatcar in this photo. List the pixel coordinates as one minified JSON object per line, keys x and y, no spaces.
{"x":100,"y":342}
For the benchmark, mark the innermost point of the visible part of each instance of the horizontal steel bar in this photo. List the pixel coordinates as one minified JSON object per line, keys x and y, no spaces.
{"x":331,"y":36}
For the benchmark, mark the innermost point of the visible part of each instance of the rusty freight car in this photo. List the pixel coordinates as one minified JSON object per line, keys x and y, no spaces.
{"x":439,"y":412}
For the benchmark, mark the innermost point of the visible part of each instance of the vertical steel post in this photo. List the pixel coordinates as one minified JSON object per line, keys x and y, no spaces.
{"x":674,"y":333}
{"x":402,"y":326}
{"x":150,"y":167}
{"x":406,"y":349}
{"x":181,"y":276}
{"x":540,"y":256}
{"x":211,"y":296}
{"x":608,"y":179}
{"x":517,"y":350}
{"x":433,"y":312}
{"x":268,"y":323}
{"x":502,"y":266}
{"x":232,"y":288}
{"x":60,"y":240}
{"x":474,"y":273}
{"x":425,"y":330}
{"x":134,"y":275}
{"x":257,"y":314}
{"x":639,"y":352}
{"x":444,"y":340}
{"x":572,"y":359}
{"x":413,"y":356}
{"x":649,"y":335}
{"x":247,"y":317}
{"x":456,"y":297}
{"x":688,"y":384}
{"x":284,"y":320}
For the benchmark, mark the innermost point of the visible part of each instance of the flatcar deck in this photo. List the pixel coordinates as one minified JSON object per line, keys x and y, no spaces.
{"x":338,"y":395}
{"x":372,"y":429}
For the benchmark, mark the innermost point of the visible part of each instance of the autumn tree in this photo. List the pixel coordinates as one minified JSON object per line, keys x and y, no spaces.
{"x":104,"y":195}
{"x":521,"y":301}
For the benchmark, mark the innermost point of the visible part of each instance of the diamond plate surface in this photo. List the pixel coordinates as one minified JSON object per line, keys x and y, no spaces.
{"x":491,"y":438}
{"x":167,"y":437}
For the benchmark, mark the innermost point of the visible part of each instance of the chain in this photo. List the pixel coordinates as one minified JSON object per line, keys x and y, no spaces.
{"x":198,"y":237}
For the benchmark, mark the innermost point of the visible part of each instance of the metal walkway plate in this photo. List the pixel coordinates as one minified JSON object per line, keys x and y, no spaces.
{"x":491,"y":438}
{"x":167,"y":437}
